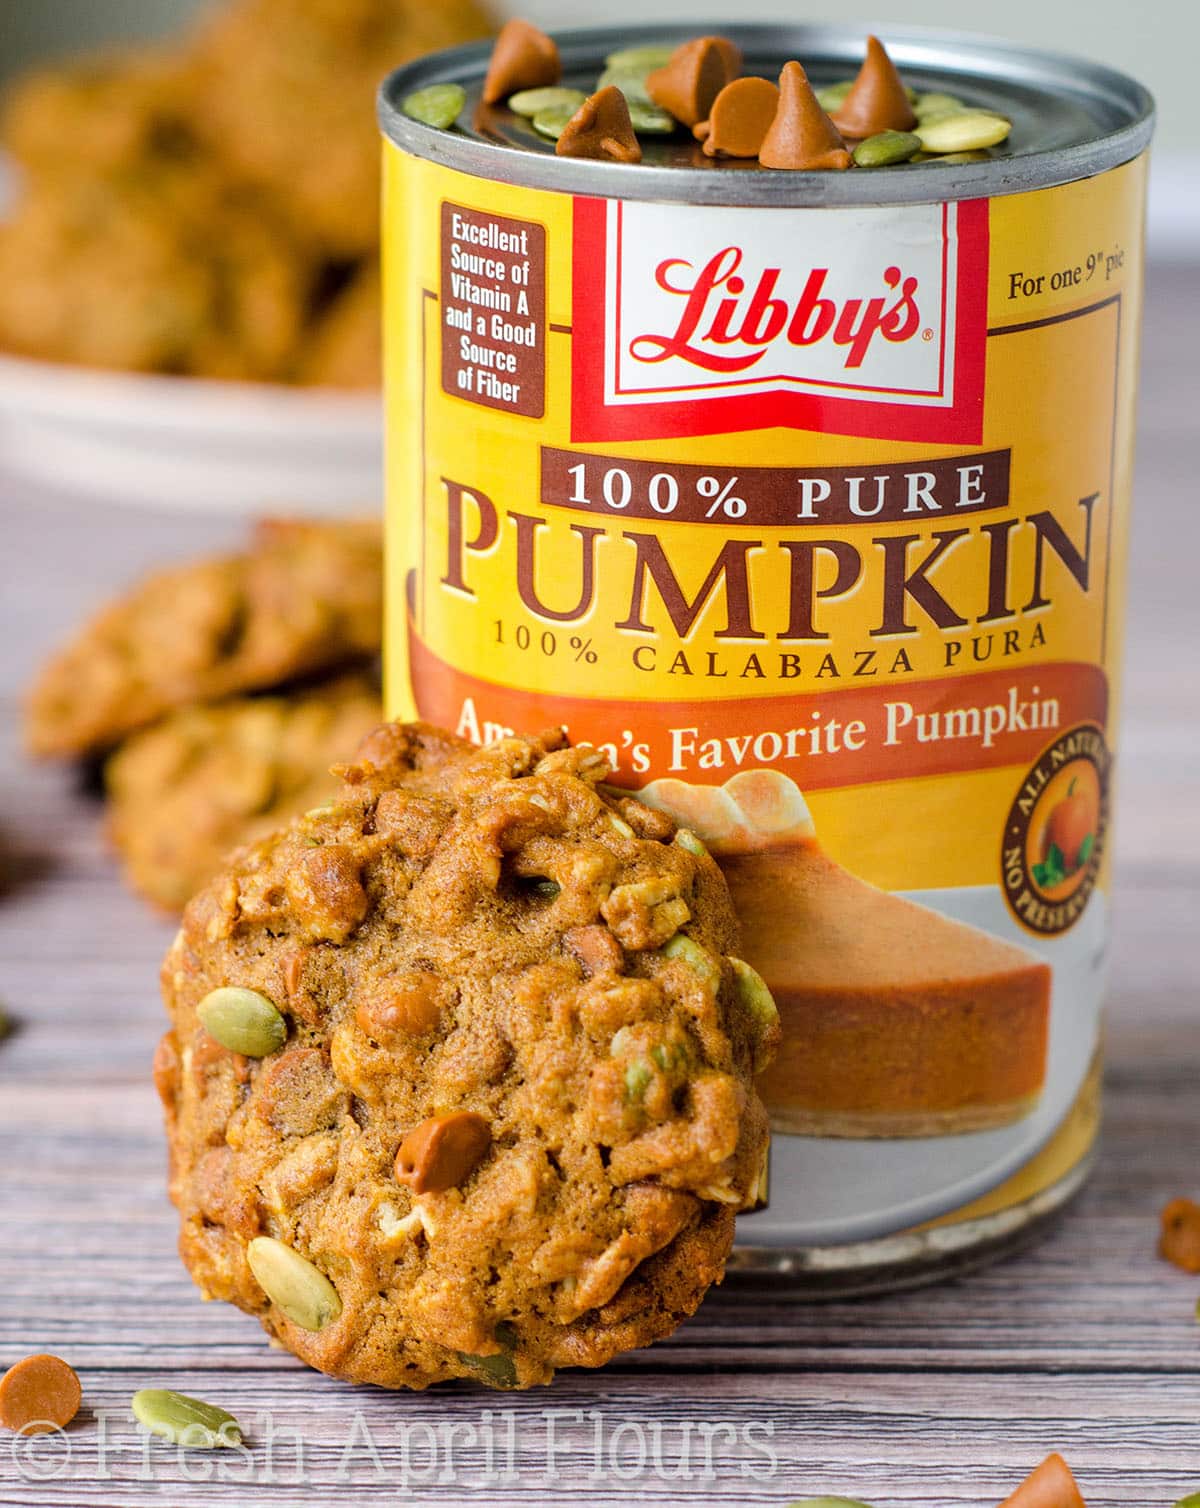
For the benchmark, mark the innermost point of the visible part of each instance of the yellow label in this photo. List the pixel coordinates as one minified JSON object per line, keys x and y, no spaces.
{"x":816,"y":522}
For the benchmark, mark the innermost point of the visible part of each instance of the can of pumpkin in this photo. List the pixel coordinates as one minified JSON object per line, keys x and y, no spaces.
{"x":805,"y":496}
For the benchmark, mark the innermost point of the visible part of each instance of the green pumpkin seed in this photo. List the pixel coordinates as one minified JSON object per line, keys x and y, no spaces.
{"x":830,"y":96}
{"x":499,"y":1371}
{"x":886,"y":149}
{"x":531,"y":102}
{"x":936,"y":104}
{"x":243,"y":1021}
{"x":185,"y":1421}
{"x":1191,"y":1501}
{"x":439,"y":105}
{"x":638,"y":1077}
{"x":552,"y":122}
{"x":293,"y":1284}
{"x":631,"y":85}
{"x":952,"y":159}
{"x":649,"y":119}
{"x":689,"y":841}
{"x":968,"y":131}
{"x":697,"y":959}
{"x":641,"y":60}
{"x":829,"y":1503}
{"x":759,"y":1004}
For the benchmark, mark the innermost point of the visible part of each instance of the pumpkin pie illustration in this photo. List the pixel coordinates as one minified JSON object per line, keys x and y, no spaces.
{"x":897,"y":1021}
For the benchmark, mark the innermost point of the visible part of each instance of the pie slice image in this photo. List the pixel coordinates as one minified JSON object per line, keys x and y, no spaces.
{"x":897,"y":1021}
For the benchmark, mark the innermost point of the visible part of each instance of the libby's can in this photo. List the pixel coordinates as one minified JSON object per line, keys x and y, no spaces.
{"x":805,"y":496}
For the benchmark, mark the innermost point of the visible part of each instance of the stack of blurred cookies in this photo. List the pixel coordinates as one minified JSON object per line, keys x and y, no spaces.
{"x":218,"y":694}
{"x":211,"y":209}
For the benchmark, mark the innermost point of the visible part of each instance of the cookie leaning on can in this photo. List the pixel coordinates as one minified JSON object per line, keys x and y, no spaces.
{"x":503,"y":1116}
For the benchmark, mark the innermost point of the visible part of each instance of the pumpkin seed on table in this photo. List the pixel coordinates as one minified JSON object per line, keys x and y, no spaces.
{"x":293,"y":1284}
{"x":885,"y":149}
{"x":531,"y":102}
{"x":968,"y":131}
{"x":243,"y":1021}
{"x":829,"y":1503}
{"x":185,"y":1421}
{"x":438,"y":105}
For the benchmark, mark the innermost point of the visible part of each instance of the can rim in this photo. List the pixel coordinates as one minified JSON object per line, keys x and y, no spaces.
{"x":1111,"y":95}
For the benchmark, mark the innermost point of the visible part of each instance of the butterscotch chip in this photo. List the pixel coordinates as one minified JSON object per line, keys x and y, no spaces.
{"x":1051,"y":1485}
{"x":443,"y":1152}
{"x":695,"y":75}
{"x":305,"y":597}
{"x":513,"y":1117}
{"x":523,"y":58}
{"x":39,"y":1394}
{"x":801,"y":137}
{"x":1180,"y":1239}
{"x":186,"y":792}
{"x":741,"y":117}
{"x":601,"y":128}
{"x":878,"y":101}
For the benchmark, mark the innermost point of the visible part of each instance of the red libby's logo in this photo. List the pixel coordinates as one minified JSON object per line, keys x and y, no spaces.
{"x":855,"y":321}
{"x":717,"y":315}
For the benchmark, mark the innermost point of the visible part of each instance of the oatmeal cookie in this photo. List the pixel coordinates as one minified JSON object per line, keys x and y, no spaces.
{"x":305,"y":598}
{"x":160,"y":267}
{"x":459,"y":1080}
{"x":289,"y":99}
{"x":185,"y":792}
{"x":107,"y":111}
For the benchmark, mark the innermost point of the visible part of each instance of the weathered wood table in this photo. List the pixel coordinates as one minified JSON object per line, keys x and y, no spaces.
{"x":1087,"y":1344}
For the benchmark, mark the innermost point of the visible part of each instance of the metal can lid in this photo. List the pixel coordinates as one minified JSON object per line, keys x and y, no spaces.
{"x":1071,"y":119}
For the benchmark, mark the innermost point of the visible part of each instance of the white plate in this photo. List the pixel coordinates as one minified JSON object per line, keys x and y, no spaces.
{"x":184,"y":442}
{"x":826,"y":1191}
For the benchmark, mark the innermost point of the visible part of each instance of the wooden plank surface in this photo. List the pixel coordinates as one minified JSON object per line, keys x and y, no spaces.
{"x":942,"y":1397}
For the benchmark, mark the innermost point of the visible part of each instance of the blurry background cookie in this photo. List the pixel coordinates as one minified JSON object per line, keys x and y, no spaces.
{"x":305,"y":598}
{"x":289,"y":86}
{"x":211,"y":209}
{"x":157,"y":267}
{"x":186,"y":792}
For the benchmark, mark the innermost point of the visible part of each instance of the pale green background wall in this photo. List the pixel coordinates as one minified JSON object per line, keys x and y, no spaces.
{"x":1159,"y":40}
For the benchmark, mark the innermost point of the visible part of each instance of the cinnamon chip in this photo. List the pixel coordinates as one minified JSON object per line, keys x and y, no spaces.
{"x":878,"y":101}
{"x":1180,"y":1240}
{"x":523,"y":58}
{"x":695,"y":75}
{"x":601,"y":128}
{"x":39,"y":1394}
{"x":801,"y":136}
{"x":1050,"y":1486}
{"x":741,"y":117}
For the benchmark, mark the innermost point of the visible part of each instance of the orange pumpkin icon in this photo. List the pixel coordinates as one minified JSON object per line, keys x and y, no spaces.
{"x":1069,"y":828}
